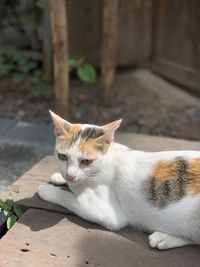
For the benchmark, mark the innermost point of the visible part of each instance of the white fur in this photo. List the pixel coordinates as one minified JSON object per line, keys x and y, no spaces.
{"x":109,"y":193}
{"x":57,"y":179}
{"x":164,"y":241}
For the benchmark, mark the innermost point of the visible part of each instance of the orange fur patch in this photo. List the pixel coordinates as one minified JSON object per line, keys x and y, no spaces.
{"x":62,"y":143}
{"x":194,"y":174}
{"x":67,"y":137}
{"x":88,"y":147}
{"x":164,"y":170}
{"x":75,"y":128}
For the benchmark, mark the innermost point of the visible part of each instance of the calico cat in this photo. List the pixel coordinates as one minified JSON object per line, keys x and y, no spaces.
{"x":114,"y":186}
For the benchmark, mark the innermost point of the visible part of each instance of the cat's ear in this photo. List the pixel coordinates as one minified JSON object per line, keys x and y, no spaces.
{"x":109,"y":132}
{"x":60,"y":125}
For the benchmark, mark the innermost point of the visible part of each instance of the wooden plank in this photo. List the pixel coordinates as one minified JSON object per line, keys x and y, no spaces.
{"x":183,"y":75}
{"x":58,"y":10}
{"x":135,"y":31}
{"x":177,"y":43}
{"x":109,"y":48}
{"x":159,"y":16}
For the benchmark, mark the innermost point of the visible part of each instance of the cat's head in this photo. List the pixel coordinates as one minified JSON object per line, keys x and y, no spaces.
{"x":81,"y":148}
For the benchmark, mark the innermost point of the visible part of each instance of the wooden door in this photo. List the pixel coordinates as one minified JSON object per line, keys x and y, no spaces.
{"x":177,"y":41}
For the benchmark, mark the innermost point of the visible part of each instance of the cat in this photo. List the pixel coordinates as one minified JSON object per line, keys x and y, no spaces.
{"x":115,"y":186}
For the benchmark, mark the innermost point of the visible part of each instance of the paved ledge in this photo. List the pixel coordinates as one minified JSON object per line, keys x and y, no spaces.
{"x":24,"y":190}
{"x":49,"y":235}
{"x":42,"y":238}
{"x":155,"y":143}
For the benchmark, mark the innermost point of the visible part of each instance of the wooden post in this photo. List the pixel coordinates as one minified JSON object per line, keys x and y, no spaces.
{"x":58,"y":10}
{"x":109,"y":48}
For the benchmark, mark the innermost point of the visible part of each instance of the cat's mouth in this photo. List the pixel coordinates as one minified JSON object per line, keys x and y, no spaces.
{"x":73,"y":181}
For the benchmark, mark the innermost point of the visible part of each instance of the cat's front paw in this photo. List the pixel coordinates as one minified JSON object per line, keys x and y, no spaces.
{"x":159,"y":240}
{"x":46,"y":192}
{"x":165,"y":241}
{"x":57,"y":179}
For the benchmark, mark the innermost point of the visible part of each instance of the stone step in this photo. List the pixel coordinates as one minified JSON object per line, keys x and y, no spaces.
{"x":24,"y":190}
{"x":42,"y":238}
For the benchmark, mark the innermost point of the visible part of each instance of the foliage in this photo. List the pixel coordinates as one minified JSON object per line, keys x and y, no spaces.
{"x":11,"y":211}
{"x":85,"y":72}
{"x":13,"y":62}
{"x":26,"y":17}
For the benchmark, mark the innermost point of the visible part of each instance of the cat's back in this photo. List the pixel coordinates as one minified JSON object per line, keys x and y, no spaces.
{"x":164,"y":190}
{"x":161,"y":176}
{"x":172,"y":176}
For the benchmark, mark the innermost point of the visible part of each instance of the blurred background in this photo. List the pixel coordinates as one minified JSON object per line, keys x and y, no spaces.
{"x":100,"y":60}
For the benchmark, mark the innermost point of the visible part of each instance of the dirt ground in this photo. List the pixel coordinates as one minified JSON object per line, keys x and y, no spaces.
{"x":141,"y":110}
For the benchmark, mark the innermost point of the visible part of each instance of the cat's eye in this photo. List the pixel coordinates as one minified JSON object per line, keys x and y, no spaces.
{"x":62,"y":157}
{"x":86,"y":162}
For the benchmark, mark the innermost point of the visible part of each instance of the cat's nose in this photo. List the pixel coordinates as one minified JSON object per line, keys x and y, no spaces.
{"x":70,"y":178}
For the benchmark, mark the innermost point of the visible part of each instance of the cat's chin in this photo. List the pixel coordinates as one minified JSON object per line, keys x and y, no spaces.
{"x":74,"y":182}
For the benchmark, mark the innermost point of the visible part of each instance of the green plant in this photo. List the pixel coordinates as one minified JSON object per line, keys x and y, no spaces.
{"x":40,"y":85}
{"x":85,"y":72}
{"x":14,"y":63}
{"x":11,"y":211}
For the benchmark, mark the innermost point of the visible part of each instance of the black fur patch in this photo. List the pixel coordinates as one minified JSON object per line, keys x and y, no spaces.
{"x":91,"y":132}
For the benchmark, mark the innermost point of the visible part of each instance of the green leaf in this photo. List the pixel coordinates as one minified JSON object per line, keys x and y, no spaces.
{"x":31,"y":65}
{"x":10,"y":51}
{"x":37,"y":74}
{"x":17,"y":211}
{"x":11,"y":221}
{"x":86,"y":73}
{"x":23,"y":68}
{"x":5,"y":68}
{"x":72,"y":63}
{"x":9,"y":202}
{"x":18,"y":77}
{"x":3,"y":205}
{"x":81,"y":61}
{"x":2,"y":59}
{"x":17,"y":57}
{"x":45,"y":78}
{"x":5,"y":212}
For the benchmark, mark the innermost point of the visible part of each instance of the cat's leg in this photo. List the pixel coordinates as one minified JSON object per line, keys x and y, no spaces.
{"x":51,"y":193}
{"x":165,"y":241}
{"x":57,"y":179}
{"x":91,"y":209}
